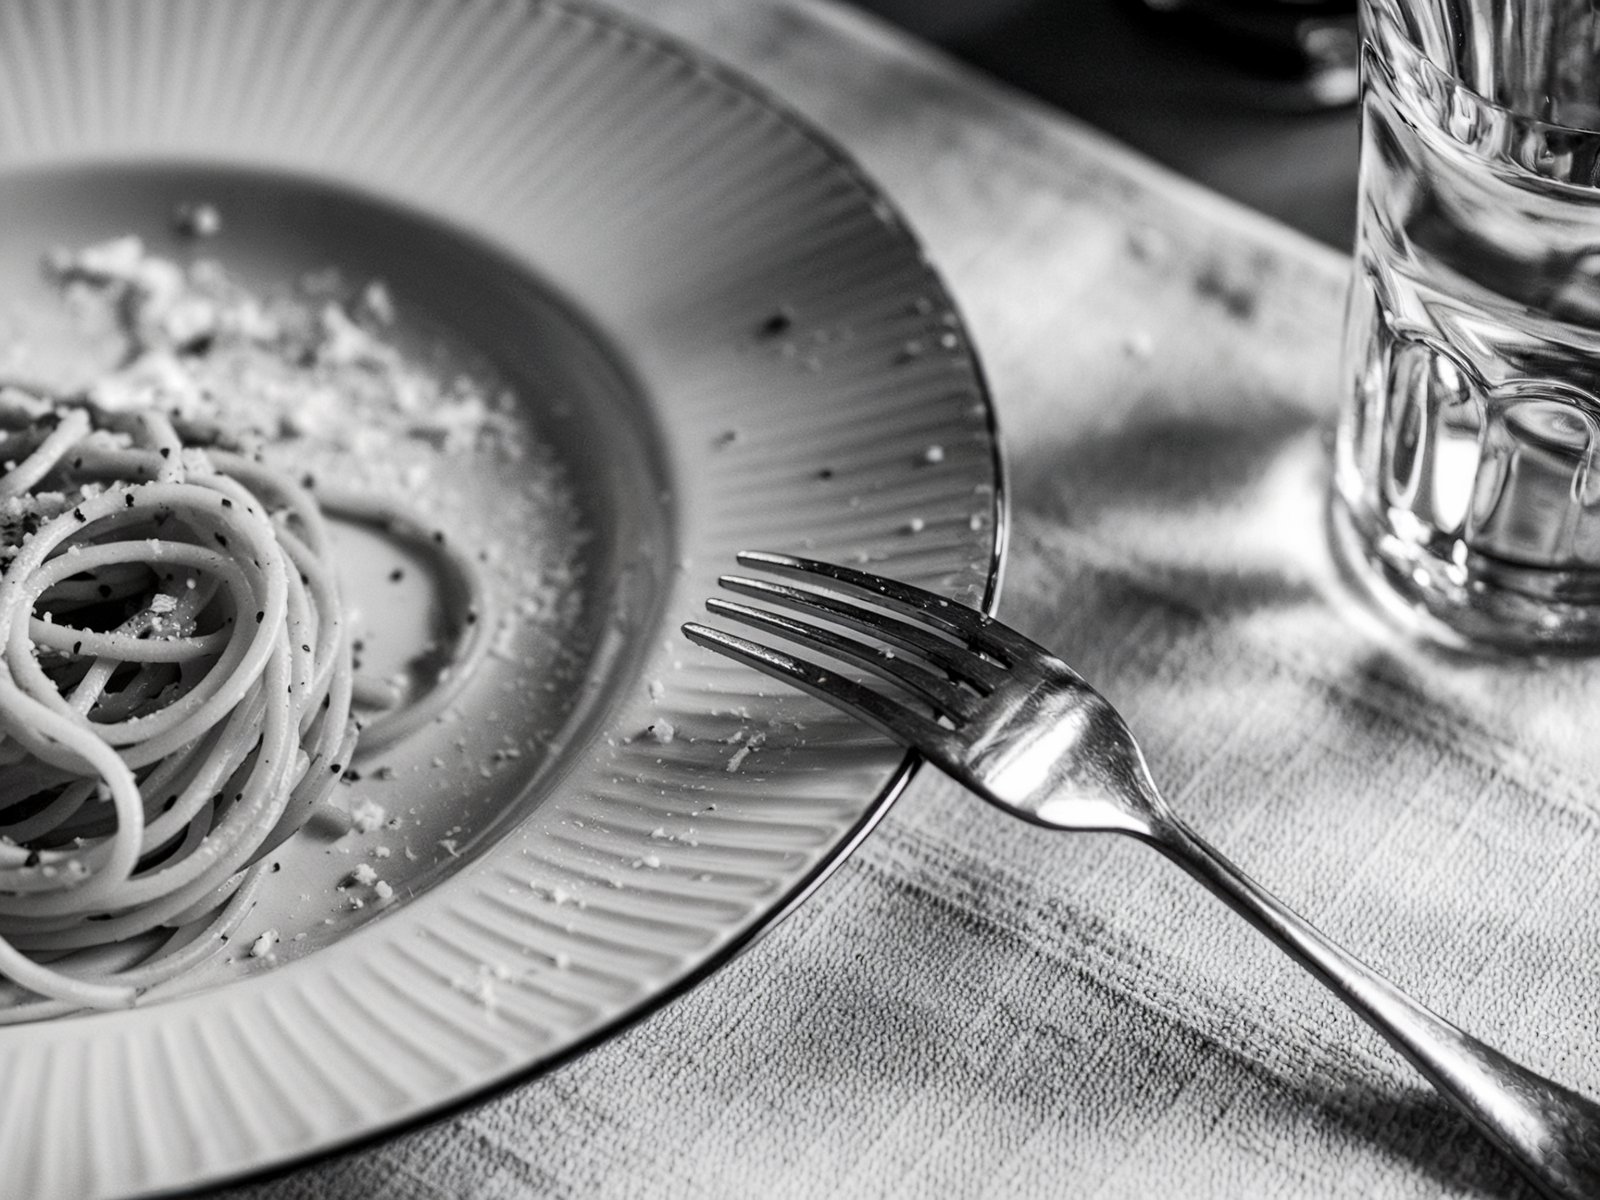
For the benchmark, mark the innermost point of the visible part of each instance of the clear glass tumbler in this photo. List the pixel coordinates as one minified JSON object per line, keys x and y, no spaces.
{"x":1467,"y":476}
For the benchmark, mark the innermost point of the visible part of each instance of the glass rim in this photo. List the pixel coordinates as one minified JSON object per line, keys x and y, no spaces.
{"x":1386,"y":15}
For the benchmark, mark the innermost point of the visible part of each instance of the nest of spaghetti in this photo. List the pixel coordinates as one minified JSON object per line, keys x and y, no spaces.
{"x":175,"y":695}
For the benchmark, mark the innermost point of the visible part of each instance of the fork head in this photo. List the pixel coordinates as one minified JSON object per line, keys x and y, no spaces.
{"x":990,"y":707}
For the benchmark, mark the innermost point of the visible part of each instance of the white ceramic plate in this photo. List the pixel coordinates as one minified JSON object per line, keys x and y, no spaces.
{"x":728,"y":340}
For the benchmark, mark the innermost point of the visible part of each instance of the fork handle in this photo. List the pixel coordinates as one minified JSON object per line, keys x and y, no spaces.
{"x":1550,"y":1132}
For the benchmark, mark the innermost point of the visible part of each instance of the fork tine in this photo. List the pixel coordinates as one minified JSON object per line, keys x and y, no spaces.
{"x":930,"y":607}
{"x":947,"y":697}
{"x":885,"y":715}
{"x":957,"y":660}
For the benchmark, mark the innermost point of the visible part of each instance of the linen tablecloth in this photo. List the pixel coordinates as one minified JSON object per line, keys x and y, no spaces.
{"x":971,"y":1006}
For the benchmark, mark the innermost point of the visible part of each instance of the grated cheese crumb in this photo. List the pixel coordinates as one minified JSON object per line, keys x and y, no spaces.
{"x":367,"y":815}
{"x":263,"y":945}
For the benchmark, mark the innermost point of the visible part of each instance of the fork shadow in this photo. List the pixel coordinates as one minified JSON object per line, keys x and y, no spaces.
{"x":1036,"y":1052}
{"x":1398,"y":1121}
{"x":1402,"y":1123}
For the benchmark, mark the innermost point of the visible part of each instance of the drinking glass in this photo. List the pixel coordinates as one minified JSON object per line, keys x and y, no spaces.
{"x":1466,"y":482}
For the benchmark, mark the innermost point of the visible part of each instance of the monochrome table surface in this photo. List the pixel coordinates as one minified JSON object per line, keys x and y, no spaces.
{"x":970,"y":1006}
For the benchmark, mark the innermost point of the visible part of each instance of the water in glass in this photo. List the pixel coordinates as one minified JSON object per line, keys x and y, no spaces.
{"x":1467,"y":482}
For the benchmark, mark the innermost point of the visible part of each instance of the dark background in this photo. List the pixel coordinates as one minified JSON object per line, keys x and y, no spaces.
{"x":1171,"y":85}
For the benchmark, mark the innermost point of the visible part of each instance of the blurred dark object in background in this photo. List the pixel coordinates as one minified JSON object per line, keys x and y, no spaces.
{"x":1295,"y":54}
{"x":1248,"y":97}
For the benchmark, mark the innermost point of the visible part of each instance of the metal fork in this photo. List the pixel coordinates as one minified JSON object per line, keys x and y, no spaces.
{"x":1016,"y":725}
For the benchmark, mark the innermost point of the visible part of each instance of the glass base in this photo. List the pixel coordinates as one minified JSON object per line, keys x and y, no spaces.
{"x":1469,"y":601}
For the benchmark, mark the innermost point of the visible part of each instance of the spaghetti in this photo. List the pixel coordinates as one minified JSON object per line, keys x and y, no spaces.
{"x":176,"y":692}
